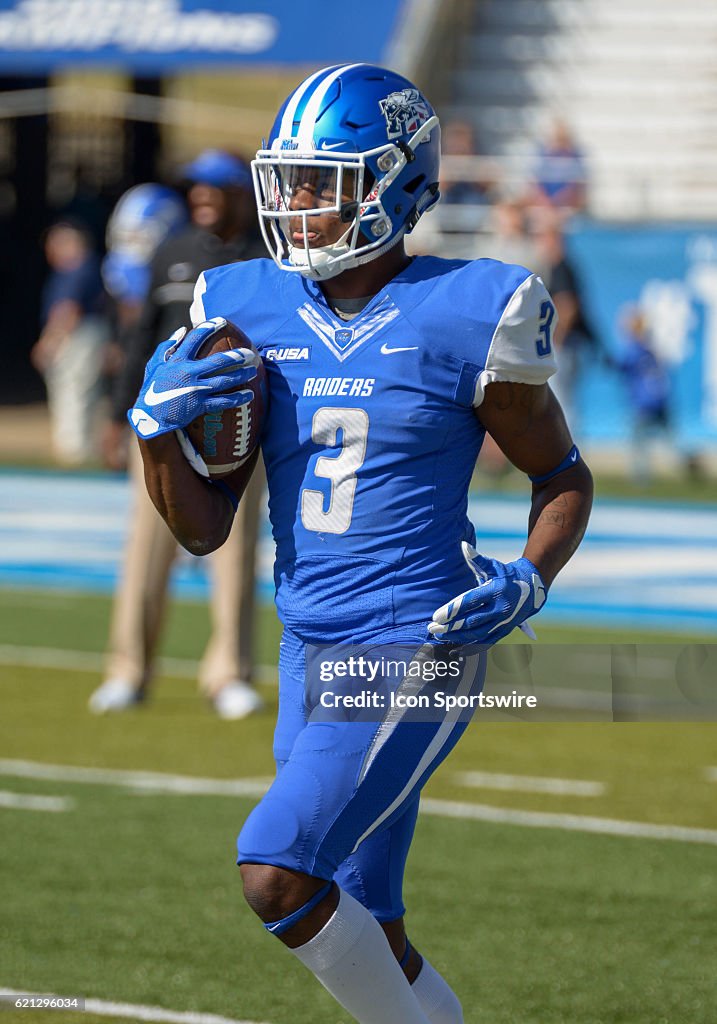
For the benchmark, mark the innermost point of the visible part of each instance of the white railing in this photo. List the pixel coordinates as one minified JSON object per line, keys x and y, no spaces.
{"x":619,"y":184}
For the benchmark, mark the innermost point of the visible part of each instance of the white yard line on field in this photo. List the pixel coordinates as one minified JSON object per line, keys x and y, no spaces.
{"x":567,"y":822}
{"x":529,"y":784}
{"x":27,"y":802}
{"x":134,"y":1011}
{"x":160,"y":782}
{"x":50,"y":657}
{"x":94,"y":661}
{"x":148,"y":782}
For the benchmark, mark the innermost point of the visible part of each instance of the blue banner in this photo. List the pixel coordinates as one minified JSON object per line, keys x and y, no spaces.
{"x":157,"y":36}
{"x":670,"y":273}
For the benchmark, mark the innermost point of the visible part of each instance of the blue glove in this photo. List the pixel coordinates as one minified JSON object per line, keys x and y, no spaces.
{"x":507,"y":594}
{"x":177,"y":387}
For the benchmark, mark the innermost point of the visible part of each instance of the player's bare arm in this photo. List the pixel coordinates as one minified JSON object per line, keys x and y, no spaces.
{"x":528,"y":425}
{"x":198,"y":514}
{"x":178,"y":386}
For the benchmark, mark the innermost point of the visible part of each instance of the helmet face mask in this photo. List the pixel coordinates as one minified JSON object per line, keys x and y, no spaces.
{"x":136,"y":241}
{"x":304,"y":197}
{"x":320,"y":163}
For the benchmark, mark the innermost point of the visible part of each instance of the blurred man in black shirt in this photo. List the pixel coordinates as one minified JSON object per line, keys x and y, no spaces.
{"x":573,"y":337}
{"x":222,"y":230}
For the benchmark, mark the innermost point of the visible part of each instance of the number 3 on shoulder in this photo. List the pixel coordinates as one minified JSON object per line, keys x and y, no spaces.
{"x":543,"y":343}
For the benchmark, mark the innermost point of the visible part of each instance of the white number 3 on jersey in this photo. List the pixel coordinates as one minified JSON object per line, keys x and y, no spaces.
{"x":339,"y":469}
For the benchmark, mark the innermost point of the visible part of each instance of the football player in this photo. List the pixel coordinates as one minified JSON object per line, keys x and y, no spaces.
{"x":385,"y":374}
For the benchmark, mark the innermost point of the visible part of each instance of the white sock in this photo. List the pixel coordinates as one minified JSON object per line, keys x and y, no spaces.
{"x":438,"y":1000}
{"x":352,"y":959}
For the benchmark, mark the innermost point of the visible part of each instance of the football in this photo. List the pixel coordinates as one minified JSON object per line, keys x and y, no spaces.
{"x":218,"y":443}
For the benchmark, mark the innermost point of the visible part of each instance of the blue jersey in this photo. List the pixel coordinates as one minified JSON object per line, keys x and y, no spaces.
{"x":371,"y":436}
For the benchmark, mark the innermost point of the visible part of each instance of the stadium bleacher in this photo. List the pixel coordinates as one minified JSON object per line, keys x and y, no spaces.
{"x":634,"y":80}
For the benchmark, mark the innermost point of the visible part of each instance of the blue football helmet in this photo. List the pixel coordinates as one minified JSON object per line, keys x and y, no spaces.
{"x":142,"y":219}
{"x":367,"y":143}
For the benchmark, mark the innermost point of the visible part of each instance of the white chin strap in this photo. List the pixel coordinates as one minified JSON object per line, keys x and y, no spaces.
{"x":319,"y":265}
{"x":327,"y":265}
{"x":329,"y":261}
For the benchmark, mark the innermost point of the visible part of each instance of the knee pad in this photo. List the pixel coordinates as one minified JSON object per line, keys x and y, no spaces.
{"x":277,"y":830}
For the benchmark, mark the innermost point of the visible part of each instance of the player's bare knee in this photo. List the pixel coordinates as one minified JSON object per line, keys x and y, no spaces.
{"x":274,"y":892}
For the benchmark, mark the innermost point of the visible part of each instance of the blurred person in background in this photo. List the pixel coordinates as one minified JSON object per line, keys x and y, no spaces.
{"x":222,"y":230}
{"x":559,"y":175}
{"x":87,"y":205}
{"x":573,"y":336}
{"x":68,"y":353}
{"x":458,"y":140}
{"x":509,"y":240}
{"x":648,"y":385}
{"x":466,"y":195}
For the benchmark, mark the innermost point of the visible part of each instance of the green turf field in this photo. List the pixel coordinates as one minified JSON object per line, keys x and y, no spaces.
{"x":131,"y":895}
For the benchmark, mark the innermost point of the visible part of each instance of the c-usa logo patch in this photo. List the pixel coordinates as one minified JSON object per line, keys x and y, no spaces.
{"x":287,"y":354}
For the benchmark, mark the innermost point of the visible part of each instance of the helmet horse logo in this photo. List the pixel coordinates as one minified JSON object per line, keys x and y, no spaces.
{"x":405,"y":111}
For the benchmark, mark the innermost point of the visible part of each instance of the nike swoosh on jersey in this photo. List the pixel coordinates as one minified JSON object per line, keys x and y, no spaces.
{"x":153,"y":397}
{"x":386,"y":351}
